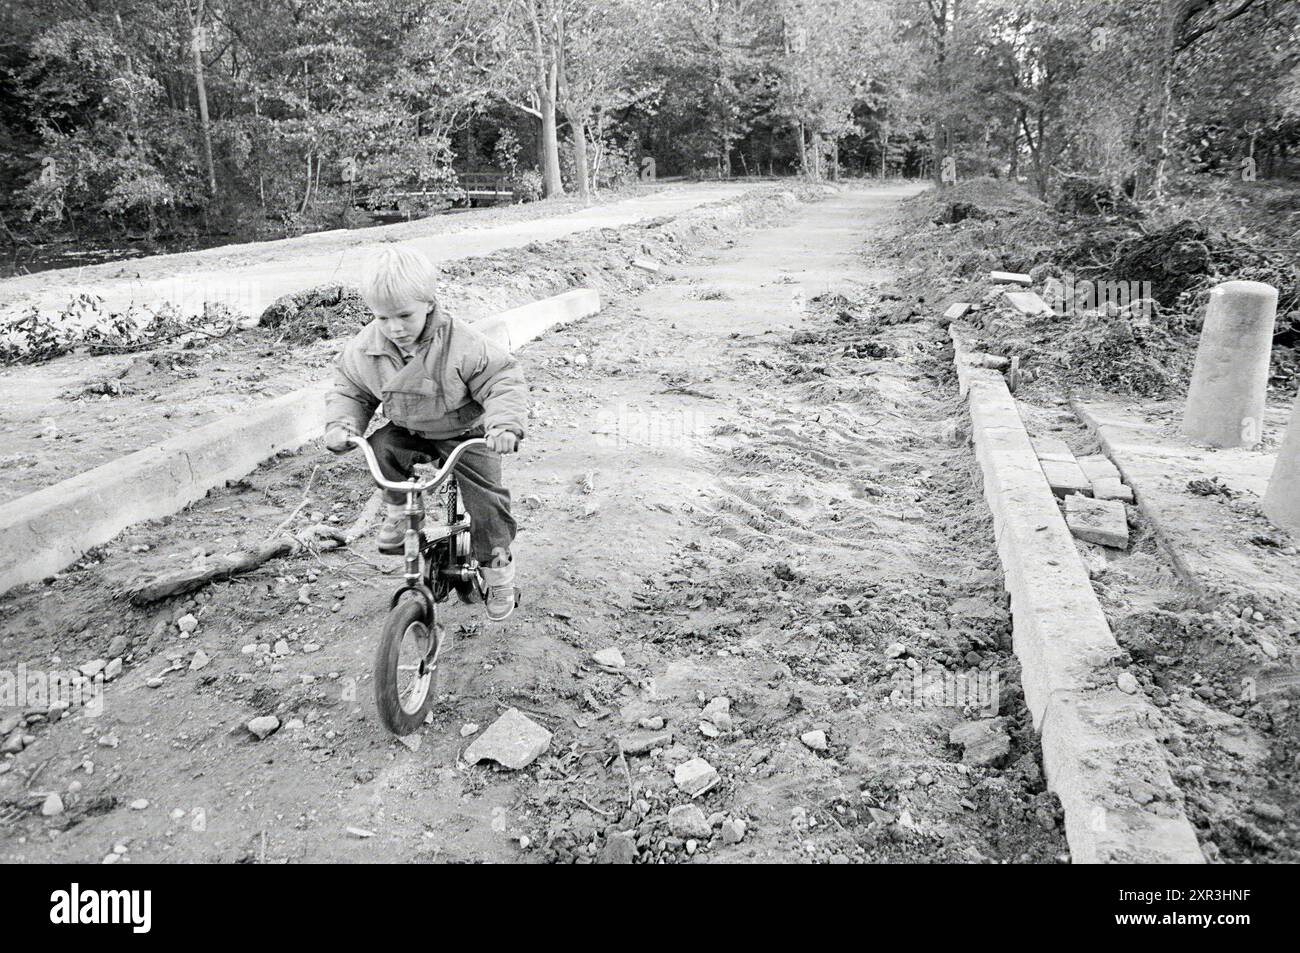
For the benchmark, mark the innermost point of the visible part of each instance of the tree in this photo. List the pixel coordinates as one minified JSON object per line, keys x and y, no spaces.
{"x":602,"y":41}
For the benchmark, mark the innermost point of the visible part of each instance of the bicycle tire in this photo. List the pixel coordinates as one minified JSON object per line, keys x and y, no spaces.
{"x":403,"y":711}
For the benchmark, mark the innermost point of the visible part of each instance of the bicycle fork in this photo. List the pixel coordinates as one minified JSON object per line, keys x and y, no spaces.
{"x":411,"y":541}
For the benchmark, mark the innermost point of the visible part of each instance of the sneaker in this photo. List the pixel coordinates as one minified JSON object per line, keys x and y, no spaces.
{"x":392,"y":537}
{"x":391,"y":540}
{"x":502,"y":595}
{"x":501,"y":602}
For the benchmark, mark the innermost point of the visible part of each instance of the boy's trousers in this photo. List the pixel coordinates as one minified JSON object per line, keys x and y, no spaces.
{"x":492,"y":528}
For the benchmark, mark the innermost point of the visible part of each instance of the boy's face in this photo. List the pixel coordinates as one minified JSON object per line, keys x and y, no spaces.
{"x":402,"y":321}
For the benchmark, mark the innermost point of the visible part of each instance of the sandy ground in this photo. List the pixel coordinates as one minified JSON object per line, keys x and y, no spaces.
{"x":247,"y":278}
{"x":750,"y":487}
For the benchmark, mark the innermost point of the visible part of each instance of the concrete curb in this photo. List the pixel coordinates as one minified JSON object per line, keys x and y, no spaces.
{"x":46,"y":531}
{"x":514,"y":328}
{"x":1100,"y":755}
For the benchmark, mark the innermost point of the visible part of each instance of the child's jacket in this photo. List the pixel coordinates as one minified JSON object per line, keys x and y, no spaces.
{"x":456,"y":380}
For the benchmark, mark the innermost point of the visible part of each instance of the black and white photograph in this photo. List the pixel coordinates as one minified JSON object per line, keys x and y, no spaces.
{"x":660,"y":432}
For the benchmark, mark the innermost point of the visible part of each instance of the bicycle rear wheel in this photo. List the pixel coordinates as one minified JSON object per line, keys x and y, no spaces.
{"x":406,"y":671}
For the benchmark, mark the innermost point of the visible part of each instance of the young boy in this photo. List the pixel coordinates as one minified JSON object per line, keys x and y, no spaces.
{"x":441,"y":383}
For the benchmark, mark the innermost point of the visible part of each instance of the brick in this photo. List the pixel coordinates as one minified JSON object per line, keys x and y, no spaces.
{"x":956,"y":311}
{"x":1097,"y":521}
{"x":1027,"y":302}
{"x":1097,"y":466}
{"x":1052,"y":448}
{"x":1110,"y":489}
{"x":1065,"y":477}
{"x":1010,"y":278}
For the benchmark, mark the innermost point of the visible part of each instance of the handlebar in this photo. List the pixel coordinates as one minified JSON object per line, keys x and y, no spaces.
{"x":410,"y":486}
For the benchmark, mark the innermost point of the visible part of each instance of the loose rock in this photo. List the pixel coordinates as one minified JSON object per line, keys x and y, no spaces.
{"x":611,"y":660}
{"x":733,"y":831}
{"x":718,"y":711}
{"x":985,"y":743}
{"x":514,"y":741}
{"x":620,"y":848}
{"x":816,"y":739}
{"x":263,"y":726}
{"x":642,"y":742}
{"x":687,"y":820}
{"x":695,"y":777}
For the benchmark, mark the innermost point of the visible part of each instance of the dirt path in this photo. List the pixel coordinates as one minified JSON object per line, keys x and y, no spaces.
{"x":249,"y":277}
{"x":747,"y":499}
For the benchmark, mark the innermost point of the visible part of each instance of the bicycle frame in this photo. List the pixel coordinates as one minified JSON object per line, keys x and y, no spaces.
{"x":414,"y":512}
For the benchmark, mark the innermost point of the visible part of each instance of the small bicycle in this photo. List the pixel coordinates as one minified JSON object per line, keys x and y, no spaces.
{"x":438,"y":562}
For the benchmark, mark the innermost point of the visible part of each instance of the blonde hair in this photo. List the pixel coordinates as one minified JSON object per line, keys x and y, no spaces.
{"x":397,"y":274}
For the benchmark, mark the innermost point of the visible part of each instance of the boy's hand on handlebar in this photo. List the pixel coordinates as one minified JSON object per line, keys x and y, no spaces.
{"x":338,"y":437}
{"x":502,"y":441}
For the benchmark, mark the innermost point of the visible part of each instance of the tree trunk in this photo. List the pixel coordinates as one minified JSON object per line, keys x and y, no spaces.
{"x":1013,"y":171}
{"x":552,"y":183}
{"x":546,"y":79}
{"x":1150,"y":177}
{"x":196,"y":24}
{"x":1040,"y":162}
{"x":578,"y":128}
{"x":306,"y":193}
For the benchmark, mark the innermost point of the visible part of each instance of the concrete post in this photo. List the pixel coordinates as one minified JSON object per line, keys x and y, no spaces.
{"x":1282,"y":499}
{"x":1225,"y":403}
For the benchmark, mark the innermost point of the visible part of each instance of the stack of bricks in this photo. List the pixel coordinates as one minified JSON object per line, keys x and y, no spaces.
{"x":1092,"y":489}
{"x":1105,"y":479}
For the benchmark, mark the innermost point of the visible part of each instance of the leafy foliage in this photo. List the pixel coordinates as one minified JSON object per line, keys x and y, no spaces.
{"x":41,"y":336}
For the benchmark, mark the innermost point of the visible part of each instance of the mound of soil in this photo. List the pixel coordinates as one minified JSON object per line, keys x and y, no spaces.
{"x":316,"y":314}
{"x":1182,"y":262}
{"x":1181,"y":257}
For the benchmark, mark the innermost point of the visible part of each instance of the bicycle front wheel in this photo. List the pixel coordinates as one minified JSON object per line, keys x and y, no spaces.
{"x":406,"y":672}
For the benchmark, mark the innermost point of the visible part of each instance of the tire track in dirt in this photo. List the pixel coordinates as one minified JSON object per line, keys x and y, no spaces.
{"x":695,"y":492}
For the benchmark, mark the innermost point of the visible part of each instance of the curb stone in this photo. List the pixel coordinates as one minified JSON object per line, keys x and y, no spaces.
{"x":46,"y":531}
{"x":1100,"y":754}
